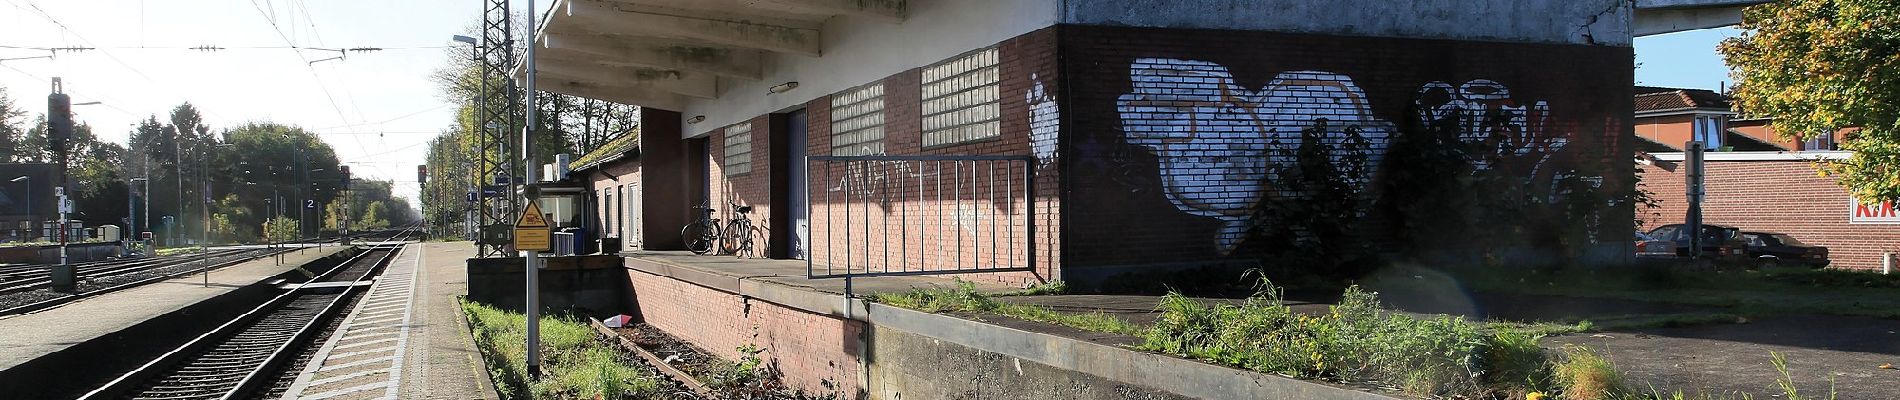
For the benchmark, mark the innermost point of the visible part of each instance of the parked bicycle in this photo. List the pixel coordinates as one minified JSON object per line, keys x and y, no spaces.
{"x":702,"y":235}
{"x":738,"y":233}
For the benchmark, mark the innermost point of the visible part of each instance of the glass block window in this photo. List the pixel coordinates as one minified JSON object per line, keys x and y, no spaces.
{"x":960,"y":100}
{"x":857,"y":121}
{"x":739,"y":149}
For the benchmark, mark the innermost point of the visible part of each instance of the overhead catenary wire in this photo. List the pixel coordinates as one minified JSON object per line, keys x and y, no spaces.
{"x":90,"y":45}
{"x":313,"y":70}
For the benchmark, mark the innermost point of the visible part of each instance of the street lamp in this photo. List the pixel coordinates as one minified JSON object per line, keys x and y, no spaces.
{"x":131,"y":218}
{"x":204,"y":249}
{"x":475,"y":177}
{"x":29,"y":197}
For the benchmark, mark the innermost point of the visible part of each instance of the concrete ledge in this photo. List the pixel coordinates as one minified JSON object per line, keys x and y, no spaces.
{"x":1175,"y":375}
{"x":804,"y":298}
{"x":1160,"y":372}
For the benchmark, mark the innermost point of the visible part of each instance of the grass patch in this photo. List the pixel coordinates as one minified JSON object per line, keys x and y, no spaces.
{"x":1041,"y":289}
{"x":1355,"y":342}
{"x":964,"y":298}
{"x":575,"y":363}
{"x":1584,"y":375}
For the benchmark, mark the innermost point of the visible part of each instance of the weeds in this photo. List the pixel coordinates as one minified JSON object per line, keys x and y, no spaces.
{"x":1786,"y":380}
{"x":1355,"y":342}
{"x":574,"y":363}
{"x":965,"y":298}
{"x":1584,"y":375}
{"x":1358,"y":341}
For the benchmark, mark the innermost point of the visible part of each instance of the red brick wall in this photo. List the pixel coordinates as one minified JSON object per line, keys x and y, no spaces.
{"x":816,"y":353}
{"x":890,"y":229}
{"x":751,"y":188}
{"x":1165,"y":130}
{"x":1774,"y":196}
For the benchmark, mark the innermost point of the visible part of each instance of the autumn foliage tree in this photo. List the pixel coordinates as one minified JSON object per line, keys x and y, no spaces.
{"x":1817,"y":66}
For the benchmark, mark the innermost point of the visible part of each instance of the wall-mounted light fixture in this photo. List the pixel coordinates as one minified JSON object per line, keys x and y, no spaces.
{"x":783,"y":87}
{"x":695,"y":119}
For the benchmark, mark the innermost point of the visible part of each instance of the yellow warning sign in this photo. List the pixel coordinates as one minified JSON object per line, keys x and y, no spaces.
{"x":531,"y":230}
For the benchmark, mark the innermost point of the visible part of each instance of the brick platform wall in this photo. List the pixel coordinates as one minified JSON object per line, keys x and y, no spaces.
{"x":820,"y":352}
{"x":1774,"y":196}
{"x":1169,"y":134}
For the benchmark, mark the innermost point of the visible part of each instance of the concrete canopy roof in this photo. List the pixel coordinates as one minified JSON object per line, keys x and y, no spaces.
{"x":1656,"y":17}
{"x":660,"y":53}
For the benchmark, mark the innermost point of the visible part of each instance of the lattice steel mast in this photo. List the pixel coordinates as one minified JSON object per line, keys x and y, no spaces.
{"x":496,"y":122}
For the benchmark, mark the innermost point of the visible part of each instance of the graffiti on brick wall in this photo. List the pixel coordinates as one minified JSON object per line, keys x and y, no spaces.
{"x":1485,"y":116}
{"x":1218,"y":144}
{"x":867,"y":180}
{"x":1044,"y":121}
{"x":1221,"y":148}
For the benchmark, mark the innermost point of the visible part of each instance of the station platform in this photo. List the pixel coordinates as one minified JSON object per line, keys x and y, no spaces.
{"x":406,"y":339}
{"x":28,"y":336}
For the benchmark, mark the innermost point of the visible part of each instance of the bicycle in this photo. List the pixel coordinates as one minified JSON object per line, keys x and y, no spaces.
{"x":738,"y":233}
{"x":702,"y":235}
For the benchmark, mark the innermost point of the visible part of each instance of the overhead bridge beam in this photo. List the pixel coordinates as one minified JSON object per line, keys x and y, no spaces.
{"x":644,"y":97}
{"x":660,"y":53}
{"x":892,"y":10}
{"x":736,"y":28}
{"x":681,"y":82}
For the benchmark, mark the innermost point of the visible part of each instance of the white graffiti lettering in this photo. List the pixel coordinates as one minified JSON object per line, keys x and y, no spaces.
{"x":1218,"y":143}
{"x":1045,"y":119}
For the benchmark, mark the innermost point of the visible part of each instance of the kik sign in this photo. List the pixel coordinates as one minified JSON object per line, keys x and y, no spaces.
{"x":1872,"y":213}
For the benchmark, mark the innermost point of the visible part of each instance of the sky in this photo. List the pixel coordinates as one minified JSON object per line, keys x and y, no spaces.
{"x":377,"y":109}
{"x":1683,"y":59}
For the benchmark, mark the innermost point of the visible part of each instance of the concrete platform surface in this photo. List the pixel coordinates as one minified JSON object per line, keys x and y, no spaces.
{"x":789,"y":273}
{"x":406,"y":338}
{"x":28,"y":336}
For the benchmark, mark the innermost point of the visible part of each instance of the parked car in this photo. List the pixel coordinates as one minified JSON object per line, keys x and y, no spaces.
{"x":1718,"y":241}
{"x":1774,"y":249}
{"x":1649,"y":246}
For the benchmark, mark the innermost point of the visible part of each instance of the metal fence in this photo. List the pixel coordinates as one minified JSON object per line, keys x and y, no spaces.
{"x":920,"y":215}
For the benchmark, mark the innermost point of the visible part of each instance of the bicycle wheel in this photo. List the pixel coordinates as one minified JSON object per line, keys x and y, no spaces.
{"x":738,"y":238}
{"x":700,"y":237}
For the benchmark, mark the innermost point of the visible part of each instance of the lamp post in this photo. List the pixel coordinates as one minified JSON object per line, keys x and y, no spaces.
{"x":131,"y":218}
{"x":29,"y":197}
{"x":204,"y":248}
{"x":474,"y":174}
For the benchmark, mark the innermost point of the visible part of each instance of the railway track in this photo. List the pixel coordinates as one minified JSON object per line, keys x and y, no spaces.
{"x":236,"y":359}
{"x":22,"y":278}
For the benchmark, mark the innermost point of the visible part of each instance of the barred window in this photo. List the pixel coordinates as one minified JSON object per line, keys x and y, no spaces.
{"x":857,"y":121}
{"x":960,"y":100}
{"x":739,"y":149}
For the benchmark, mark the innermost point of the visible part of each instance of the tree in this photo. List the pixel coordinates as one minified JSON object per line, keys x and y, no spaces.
{"x":280,"y":229}
{"x":1817,"y":66}
{"x":10,"y":130}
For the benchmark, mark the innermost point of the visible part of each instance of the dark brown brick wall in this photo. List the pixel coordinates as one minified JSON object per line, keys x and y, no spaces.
{"x":1118,"y":208}
{"x":1775,"y":196}
{"x":671,"y":174}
